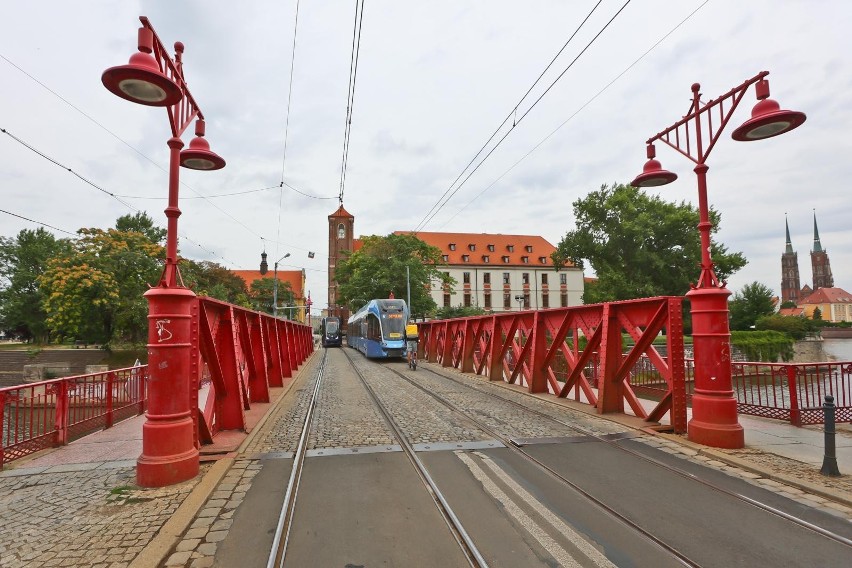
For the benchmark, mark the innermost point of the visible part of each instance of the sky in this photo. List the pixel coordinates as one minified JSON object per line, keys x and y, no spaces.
{"x":434,"y":81}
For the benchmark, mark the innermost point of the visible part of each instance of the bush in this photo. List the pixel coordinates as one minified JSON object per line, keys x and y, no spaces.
{"x":763,"y":345}
{"x":794,"y":326}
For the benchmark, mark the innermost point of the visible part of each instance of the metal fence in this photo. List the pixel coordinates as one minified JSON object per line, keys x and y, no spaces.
{"x":52,"y":413}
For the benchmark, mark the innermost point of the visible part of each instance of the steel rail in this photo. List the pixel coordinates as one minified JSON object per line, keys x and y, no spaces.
{"x":614,"y":443}
{"x":686,"y":561}
{"x":285,"y":518}
{"x":471,"y":552}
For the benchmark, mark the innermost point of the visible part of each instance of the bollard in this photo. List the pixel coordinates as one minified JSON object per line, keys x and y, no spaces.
{"x":829,"y":462}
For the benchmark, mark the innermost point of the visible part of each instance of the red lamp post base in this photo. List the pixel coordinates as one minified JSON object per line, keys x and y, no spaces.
{"x":714,"y":409}
{"x":169,"y":454}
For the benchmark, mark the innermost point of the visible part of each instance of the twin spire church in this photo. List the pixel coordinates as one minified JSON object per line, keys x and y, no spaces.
{"x":791,"y":290}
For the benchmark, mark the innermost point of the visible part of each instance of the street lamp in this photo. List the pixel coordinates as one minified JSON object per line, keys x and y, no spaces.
{"x":714,"y":409}
{"x":169,"y":454}
{"x":520,"y":300}
{"x":264,"y":268}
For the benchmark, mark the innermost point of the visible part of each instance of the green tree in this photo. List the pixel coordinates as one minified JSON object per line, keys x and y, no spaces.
{"x":95,"y":291}
{"x":379,"y":268}
{"x":817,"y":314}
{"x":141,"y":223}
{"x":22,"y":260}
{"x":788,"y":304}
{"x":639,"y":245}
{"x":208,"y":278}
{"x":262,"y":293}
{"x":749,"y":304}
{"x":796,"y":327}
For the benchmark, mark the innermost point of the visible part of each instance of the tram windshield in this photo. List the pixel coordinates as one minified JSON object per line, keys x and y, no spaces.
{"x":393,"y":318}
{"x":331,"y":327}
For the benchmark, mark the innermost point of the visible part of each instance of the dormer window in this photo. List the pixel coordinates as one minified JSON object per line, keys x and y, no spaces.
{"x":529,"y":248}
{"x":525,"y":259}
{"x":452,"y":246}
{"x":471,"y":246}
{"x":446,"y":258}
{"x":542,"y":259}
{"x":506,"y":259}
{"x":466,"y":257}
{"x":486,"y":258}
{"x":491,"y":248}
{"x":510,"y":248}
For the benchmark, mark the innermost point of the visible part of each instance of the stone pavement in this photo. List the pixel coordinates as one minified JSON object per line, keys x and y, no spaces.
{"x":78,"y":505}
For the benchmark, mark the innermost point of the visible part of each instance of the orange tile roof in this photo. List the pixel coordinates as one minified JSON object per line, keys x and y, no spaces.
{"x":489,"y":249}
{"x":828,"y":296}
{"x":791,"y":311}
{"x":341,"y":212}
{"x":294,"y":277}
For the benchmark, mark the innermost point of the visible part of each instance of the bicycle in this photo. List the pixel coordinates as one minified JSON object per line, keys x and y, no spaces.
{"x":412,"y":356}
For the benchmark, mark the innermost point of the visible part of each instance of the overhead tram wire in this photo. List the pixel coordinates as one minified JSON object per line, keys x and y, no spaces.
{"x":99,"y":188}
{"x":582,"y":107}
{"x":513,"y":112}
{"x":286,"y":131}
{"x":518,"y":121}
{"x":350,"y":101}
{"x":38,"y":223}
{"x":207,"y":196}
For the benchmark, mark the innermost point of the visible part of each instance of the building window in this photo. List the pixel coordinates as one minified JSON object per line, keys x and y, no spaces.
{"x":563,"y":279}
{"x":525,"y":259}
{"x":506,"y":259}
{"x":542,"y":259}
{"x":446,"y":258}
{"x":510,"y":248}
{"x":341,"y":231}
{"x":525,"y":277}
{"x":528,"y":248}
{"x":491,"y":248}
{"x":545,"y":300}
{"x":471,"y":247}
{"x":452,"y":246}
{"x":467,"y":298}
{"x":505,"y":278}
{"x":446,"y":300}
{"x":466,"y":257}
{"x":507,"y":301}
{"x":527,"y":301}
{"x":486,"y":278}
{"x":488,"y":300}
{"x":486,"y":259}
{"x":563,"y":297}
{"x":466,"y":277}
{"x":544,"y":278}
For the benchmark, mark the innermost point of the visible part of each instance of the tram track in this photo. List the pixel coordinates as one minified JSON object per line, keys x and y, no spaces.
{"x":614,"y":443}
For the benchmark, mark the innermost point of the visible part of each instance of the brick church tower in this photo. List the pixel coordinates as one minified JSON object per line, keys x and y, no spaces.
{"x":819,"y":263}
{"x":790,"y":287}
{"x":341,"y":238}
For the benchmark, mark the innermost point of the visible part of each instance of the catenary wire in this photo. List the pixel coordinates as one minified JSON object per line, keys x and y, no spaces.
{"x":350,"y":101}
{"x":499,"y":142}
{"x":513,"y":112}
{"x":38,"y":222}
{"x":576,"y":112}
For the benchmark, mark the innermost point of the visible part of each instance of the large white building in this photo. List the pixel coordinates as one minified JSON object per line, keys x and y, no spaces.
{"x":501,"y":273}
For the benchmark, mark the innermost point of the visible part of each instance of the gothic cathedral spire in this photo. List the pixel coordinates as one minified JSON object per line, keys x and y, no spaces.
{"x":819,"y":263}
{"x":790,"y":287}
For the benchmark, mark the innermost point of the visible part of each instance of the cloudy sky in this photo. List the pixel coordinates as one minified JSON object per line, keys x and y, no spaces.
{"x":434,"y":81}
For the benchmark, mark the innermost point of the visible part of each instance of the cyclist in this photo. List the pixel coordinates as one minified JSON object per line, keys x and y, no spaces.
{"x":411,"y":338}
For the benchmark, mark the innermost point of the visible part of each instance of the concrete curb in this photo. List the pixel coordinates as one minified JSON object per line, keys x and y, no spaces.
{"x":157,"y":551}
{"x":631,"y":422}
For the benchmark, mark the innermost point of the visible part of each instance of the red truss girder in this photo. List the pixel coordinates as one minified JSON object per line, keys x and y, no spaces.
{"x":245,"y":353}
{"x":534,"y":348}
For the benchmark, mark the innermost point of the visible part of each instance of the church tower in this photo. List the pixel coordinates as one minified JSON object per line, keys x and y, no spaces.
{"x":789,"y":271}
{"x":341,"y":238}
{"x":819,"y":263}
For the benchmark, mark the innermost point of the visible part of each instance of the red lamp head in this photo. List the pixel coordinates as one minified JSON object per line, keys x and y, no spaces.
{"x":141,"y":80}
{"x":653,"y":173}
{"x":767,"y":118}
{"x":199,"y":156}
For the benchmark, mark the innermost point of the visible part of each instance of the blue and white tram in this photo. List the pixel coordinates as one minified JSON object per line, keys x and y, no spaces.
{"x":378,"y":329}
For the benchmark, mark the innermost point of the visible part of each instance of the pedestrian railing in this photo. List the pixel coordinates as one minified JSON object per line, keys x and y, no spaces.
{"x":51,"y":413}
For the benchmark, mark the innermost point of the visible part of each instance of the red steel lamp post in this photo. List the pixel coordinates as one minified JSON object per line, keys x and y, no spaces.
{"x":714,"y":409}
{"x":169,"y":454}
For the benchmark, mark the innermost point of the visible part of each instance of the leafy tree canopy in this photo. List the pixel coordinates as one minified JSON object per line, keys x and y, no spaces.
{"x":262,"y":293}
{"x":459,"y":312}
{"x":141,"y":223}
{"x":749,"y":304}
{"x":639,"y":245}
{"x":22,"y":260}
{"x":208,"y":278}
{"x":379,"y":268}
{"x":794,"y":326}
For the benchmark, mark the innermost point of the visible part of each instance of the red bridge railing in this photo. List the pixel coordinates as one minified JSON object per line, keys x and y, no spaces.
{"x":51,"y":413}
{"x":577,"y":351}
{"x":238,"y":356}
